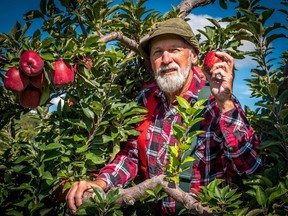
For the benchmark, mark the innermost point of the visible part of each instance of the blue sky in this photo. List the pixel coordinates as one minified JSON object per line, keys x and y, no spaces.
{"x":13,"y":10}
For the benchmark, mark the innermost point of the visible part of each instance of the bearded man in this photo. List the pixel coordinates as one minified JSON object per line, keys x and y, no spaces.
{"x":227,"y":147}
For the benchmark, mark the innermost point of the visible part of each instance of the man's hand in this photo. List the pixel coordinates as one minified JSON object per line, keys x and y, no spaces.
{"x":74,"y":195}
{"x":222,"y":86}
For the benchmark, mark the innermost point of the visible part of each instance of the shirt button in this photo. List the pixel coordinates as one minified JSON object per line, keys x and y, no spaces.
{"x":230,"y":148}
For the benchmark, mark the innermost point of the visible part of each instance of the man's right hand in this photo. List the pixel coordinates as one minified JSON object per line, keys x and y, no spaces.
{"x":74,"y":195}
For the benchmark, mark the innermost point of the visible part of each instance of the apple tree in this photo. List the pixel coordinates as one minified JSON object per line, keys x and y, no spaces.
{"x":85,"y":56}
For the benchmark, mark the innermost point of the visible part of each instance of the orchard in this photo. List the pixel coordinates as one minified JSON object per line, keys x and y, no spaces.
{"x":85,"y":54}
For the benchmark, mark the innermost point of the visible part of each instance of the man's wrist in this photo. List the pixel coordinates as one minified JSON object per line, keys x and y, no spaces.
{"x":226,"y":106}
{"x":102,"y":184}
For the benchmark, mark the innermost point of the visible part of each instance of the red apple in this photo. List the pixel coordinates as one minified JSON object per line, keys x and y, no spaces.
{"x":209,"y":60}
{"x":63,"y":73}
{"x":70,"y":102}
{"x":31,"y":63}
{"x":15,"y":80}
{"x":30,"y":97}
{"x":39,"y":81}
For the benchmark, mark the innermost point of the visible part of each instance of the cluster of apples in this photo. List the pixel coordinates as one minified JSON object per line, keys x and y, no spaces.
{"x":29,"y":79}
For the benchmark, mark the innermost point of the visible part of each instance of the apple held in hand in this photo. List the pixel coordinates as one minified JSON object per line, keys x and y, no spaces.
{"x":30,"y":97}
{"x":15,"y":80}
{"x":31,"y":63}
{"x":63,"y":73}
{"x":209,"y":60}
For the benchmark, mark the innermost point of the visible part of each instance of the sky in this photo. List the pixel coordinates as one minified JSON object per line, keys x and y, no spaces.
{"x":13,"y":10}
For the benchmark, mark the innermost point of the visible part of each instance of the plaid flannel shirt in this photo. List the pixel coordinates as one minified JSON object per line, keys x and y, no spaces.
{"x":226,"y":149}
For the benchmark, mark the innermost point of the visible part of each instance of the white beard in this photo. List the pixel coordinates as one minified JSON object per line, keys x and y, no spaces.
{"x":172,"y":82}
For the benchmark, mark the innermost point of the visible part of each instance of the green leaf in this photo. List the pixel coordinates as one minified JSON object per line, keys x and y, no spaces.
{"x":188,"y":159}
{"x":20,"y":159}
{"x":273,"y":37}
{"x":273,"y":89}
{"x":94,"y":158}
{"x":183,"y":102}
{"x":223,"y":4}
{"x":283,"y":113}
{"x":174,"y":150}
{"x":134,"y":119}
{"x":82,"y":149}
{"x":51,"y":146}
{"x":47,"y":175}
{"x":261,"y":196}
{"x":45,"y":95}
{"x":195,"y":121}
{"x":150,"y":192}
{"x":47,"y":56}
{"x":14,"y":30}
{"x":269,"y":143}
{"x":102,"y":139}
{"x":254,"y":212}
{"x":47,"y":42}
{"x":77,"y":138}
{"x":88,"y":112}
{"x":51,"y":155}
{"x":24,"y":186}
{"x":33,"y":14}
{"x":280,"y":191}
{"x":178,"y":131}
{"x":284,"y":96}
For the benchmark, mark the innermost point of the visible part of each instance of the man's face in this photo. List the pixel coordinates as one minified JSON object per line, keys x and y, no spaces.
{"x":171,"y":59}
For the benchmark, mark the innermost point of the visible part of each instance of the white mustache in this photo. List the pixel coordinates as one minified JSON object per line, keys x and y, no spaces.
{"x":164,"y":69}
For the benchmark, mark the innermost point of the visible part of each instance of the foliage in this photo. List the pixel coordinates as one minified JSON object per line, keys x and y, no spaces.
{"x":223,"y":201}
{"x":101,"y":204}
{"x":179,"y":154}
{"x":56,"y":145}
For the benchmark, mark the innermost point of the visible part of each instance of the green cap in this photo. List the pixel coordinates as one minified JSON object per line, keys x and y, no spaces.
{"x":177,"y":26}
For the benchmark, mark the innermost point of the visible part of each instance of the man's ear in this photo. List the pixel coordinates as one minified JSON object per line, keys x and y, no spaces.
{"x":193,"y":57}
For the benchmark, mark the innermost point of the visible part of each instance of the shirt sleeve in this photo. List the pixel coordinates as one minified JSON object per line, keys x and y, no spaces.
{"x":123,"y":169}
{"x":240,"y":146}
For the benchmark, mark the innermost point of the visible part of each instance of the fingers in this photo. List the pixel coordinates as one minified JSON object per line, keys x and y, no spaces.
{"x":229,"y":60}
{"x":70,"y":197}
{"x":74,"y":195}
{"x":223,"y":69}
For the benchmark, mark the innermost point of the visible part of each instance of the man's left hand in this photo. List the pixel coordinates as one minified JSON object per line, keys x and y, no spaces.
{"x":221,"y":81}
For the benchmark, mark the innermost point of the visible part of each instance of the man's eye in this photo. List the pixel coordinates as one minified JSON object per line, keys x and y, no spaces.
{"x":175,"y":50}
{"x":157,"y":53}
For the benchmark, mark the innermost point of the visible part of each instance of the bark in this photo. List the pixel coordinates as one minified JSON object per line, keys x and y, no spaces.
{"x":185,"y":7}
{"x":131,"y":195}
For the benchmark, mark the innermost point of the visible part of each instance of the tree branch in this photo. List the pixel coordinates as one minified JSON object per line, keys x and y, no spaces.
{"x":186,"y":6}
{"x":131,"y":195}
{"x":131,"y":44}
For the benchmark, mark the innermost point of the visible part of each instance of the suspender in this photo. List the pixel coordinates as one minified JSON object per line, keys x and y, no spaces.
{"x":143,"y":128}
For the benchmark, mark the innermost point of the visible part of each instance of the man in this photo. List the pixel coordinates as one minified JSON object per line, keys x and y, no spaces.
{"x":227,"y":148}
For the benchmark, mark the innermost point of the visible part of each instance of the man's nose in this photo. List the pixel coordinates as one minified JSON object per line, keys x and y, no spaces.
{"x":166,"y":57}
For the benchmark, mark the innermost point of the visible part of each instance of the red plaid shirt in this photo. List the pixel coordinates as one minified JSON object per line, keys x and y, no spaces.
{"x":226,"y":149}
